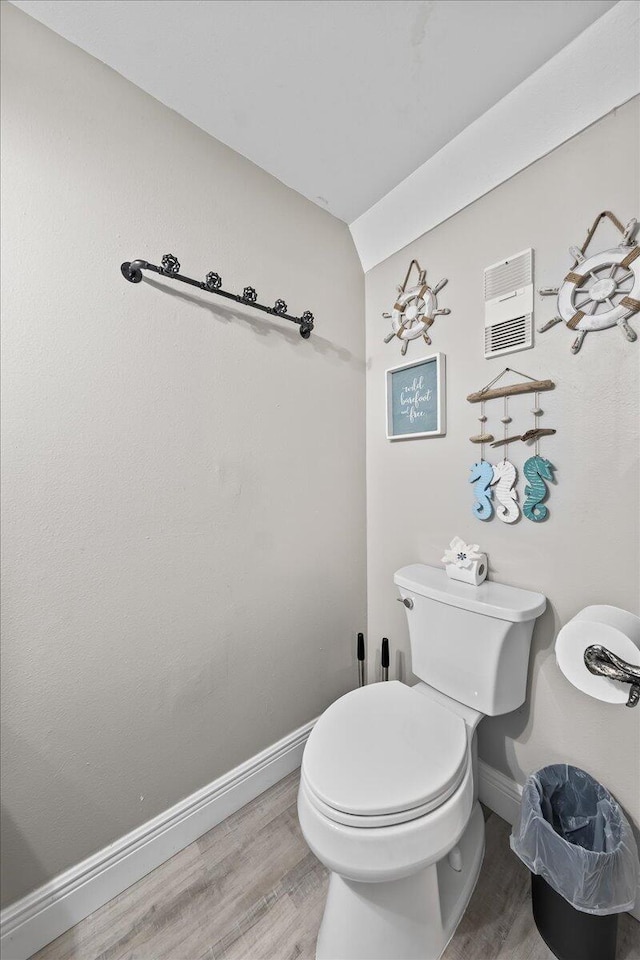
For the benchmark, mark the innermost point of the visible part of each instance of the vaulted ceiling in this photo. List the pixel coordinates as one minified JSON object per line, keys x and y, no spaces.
{"x":339,"y":99}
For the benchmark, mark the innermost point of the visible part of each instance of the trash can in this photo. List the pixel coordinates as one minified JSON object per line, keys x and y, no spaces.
{"x":577,"y":842}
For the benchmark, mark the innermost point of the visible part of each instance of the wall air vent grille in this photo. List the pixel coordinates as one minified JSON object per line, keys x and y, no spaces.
{"x":508,"y":276}
{"x":508,"y":296}
{"x":508,"y":336}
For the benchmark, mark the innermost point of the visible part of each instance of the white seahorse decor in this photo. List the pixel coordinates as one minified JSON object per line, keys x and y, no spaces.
{"x":504,"y":479}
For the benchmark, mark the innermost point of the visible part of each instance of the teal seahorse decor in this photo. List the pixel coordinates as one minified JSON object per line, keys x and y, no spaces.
{"x":482,"y":477}
{"x":537,"y":470}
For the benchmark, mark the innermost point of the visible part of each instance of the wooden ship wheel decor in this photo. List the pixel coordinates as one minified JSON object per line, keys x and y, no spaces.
{"x":415,"y":309}
{"x":601,"y":290}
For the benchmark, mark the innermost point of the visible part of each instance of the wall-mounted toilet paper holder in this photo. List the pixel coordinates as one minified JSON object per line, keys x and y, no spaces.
{"x":603,"y":663}
{"x":598,"y":651}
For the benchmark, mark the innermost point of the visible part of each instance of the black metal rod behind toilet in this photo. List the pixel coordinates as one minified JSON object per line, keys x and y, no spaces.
{"x":360,"y":655}
{"x":384,"y":658}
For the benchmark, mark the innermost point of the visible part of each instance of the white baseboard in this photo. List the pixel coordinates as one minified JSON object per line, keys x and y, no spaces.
{"x":498,"y":792}
{"x":34,"y":921}
{"x":49,"y":911}
{"x":502,"y":795}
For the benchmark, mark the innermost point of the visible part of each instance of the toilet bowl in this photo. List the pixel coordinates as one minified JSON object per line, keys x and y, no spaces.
{"x":385,"y":829}
{"x":388,"y":786}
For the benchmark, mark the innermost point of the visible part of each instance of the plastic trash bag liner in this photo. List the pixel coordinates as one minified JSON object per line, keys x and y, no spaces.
{"x":573,"y":833}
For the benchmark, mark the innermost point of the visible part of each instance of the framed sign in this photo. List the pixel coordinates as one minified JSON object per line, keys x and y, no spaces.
{"x":416,"y":399}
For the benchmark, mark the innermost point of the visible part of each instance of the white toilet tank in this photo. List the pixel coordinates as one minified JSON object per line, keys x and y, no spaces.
{"x":471,"y":643}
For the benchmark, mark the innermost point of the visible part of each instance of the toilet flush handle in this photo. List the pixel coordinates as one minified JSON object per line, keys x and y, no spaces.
{"x":408,"y":602}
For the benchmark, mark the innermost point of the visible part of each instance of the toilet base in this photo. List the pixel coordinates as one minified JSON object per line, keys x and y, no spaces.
{"x":412,"y":918}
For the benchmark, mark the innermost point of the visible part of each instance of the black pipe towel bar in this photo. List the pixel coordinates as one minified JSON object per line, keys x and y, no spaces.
{"x":132,"y":271}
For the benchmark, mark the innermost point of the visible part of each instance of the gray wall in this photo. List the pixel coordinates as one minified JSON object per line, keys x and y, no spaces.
{"x":184,"y":518}
{"x":418,"y":496}
{"x":184,"y":481}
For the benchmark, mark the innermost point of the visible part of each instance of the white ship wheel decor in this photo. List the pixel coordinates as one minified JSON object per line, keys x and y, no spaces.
{"x":415,"y":309}
{"x":602,"y":290}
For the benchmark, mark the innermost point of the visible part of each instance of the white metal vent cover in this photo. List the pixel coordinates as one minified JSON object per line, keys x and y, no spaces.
{"x":508,"y":305}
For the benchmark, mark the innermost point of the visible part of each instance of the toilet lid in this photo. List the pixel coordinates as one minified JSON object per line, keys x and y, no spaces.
{"x":383,"y":749}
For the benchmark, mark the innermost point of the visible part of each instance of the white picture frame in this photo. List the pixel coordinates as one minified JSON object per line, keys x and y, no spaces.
{"x":416,"y":399}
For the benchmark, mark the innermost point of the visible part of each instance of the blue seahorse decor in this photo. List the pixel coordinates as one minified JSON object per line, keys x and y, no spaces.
{"x":481,"y":478}
{"x":537,"y":470}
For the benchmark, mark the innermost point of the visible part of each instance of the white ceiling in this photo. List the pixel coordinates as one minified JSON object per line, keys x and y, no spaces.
{"x":339,"y":99}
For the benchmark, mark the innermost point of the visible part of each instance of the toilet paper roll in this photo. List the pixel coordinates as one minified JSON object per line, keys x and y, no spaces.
{"x":474,"y":574}
{"x":614,"y":617}
{"x":617,"y":630}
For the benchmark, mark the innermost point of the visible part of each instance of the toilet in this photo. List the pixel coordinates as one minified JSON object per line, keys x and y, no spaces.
{"x":388,"y":797}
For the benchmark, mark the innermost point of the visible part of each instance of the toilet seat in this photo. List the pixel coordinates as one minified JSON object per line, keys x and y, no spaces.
{"x":381,"y":820}
{"x":383,"y":755}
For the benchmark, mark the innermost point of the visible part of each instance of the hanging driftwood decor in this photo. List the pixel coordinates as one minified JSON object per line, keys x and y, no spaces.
{"x":499,"y":480}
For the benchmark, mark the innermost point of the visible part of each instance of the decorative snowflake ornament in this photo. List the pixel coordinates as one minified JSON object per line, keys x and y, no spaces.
{"x":461,"y":554}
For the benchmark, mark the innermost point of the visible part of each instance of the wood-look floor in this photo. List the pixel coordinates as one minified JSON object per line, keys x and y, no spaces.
{"x":251,"y":890}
